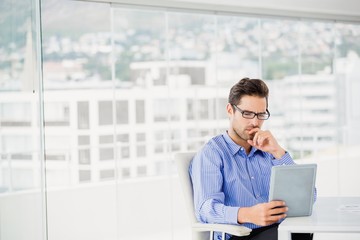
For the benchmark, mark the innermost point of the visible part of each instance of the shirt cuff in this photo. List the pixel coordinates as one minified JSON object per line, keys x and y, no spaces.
{"x":284,"y":160}
{"x":231,"y":215}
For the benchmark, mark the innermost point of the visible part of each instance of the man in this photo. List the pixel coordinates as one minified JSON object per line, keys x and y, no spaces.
{"x":231,"y":173}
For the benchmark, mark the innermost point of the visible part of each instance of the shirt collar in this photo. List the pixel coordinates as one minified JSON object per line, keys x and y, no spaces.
{"x":235,"y":148}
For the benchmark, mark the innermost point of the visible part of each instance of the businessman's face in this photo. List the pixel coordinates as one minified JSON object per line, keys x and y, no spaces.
{"x":240,"y":124}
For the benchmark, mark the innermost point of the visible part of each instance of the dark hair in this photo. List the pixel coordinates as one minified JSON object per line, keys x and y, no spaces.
{"x":249,"y":87}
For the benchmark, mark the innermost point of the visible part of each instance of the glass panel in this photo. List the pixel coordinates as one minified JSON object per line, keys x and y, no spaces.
{"x":141,"y":80}
{"x":347,"y":72}
{"x":199,"y":59}
{"x":313,"y":96}
{"x":21,"y":193}
{"x":78,"y":111}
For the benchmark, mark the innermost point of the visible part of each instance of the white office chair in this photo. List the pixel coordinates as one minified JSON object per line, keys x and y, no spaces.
{"x":201,"y":231}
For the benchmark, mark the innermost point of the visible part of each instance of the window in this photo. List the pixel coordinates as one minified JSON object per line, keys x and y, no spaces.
{"x":83,"y":140}
{"x":105,"y":113}
{"x":103,"y":139}
{"x":15,"y":114}
{"x":141,"y":170}
{"x":124,"y":152}
{"x":125,"y":172}
{"x":124,"y":138}
{"x":57,"y":114}
{"x":106,"y":149}
{"x":122,"y":112}
{"x":170,"y":105}
{"x":83,"y":115}
{"x":84,"y":157}
{"x":140,"y":111}
{"x":141,"y":145}
{"x":106,"y":153}
{"x":107,"y":174}
{"x":84,"y":176}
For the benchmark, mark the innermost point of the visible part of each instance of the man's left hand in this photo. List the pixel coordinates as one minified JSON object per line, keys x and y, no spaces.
{"x":265,"y":141}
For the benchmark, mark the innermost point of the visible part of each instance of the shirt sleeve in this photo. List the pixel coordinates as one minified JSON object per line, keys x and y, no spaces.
{"x":284,"y":160}
{"x":206,"y":175}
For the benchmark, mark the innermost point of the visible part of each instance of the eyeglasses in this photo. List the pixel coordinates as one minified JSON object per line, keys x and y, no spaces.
{"x":251,"y":115}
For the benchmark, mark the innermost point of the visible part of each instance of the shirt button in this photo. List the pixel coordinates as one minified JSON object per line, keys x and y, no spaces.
{"x":252,"y":177}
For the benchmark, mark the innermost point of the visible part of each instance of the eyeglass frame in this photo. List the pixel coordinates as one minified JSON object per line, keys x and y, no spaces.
{"x":254,"y":113}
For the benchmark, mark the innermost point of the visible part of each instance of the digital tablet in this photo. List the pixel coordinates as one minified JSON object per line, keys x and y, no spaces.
{"x":294,"y":184}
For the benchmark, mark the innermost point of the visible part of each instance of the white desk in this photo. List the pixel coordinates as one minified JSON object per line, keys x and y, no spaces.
{"x":326,"y":218}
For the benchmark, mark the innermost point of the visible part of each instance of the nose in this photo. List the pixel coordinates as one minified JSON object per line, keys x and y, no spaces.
{"x":255,"y":121}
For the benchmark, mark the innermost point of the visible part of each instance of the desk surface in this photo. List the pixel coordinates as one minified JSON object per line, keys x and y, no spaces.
{"x":327,"y":217}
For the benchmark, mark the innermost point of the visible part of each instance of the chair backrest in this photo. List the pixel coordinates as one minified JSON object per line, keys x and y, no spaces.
{"x":182,"y":161}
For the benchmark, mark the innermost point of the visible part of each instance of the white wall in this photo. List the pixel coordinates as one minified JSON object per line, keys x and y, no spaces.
{"x":151,"y":209}
{"x":21,"y":216}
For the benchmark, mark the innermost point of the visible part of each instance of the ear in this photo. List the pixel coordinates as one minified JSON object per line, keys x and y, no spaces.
{"x":229,"y":110}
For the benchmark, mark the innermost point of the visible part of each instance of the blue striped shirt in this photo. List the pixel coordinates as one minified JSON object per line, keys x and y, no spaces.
{"x":225,"y":178}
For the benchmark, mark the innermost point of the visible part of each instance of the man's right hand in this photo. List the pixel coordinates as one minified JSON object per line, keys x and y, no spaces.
{"x":263,"y":214}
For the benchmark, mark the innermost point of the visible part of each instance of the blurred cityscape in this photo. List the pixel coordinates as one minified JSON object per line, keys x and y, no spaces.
{"x":118,"y":103}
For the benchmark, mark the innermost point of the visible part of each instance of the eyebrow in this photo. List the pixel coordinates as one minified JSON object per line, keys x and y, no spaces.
{"x":245,"y":110}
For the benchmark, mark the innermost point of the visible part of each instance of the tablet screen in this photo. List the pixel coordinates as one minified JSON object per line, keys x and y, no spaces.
{"x":294,"y":184}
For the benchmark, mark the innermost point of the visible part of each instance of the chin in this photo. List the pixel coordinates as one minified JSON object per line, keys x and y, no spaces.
{"x":246,"y":137}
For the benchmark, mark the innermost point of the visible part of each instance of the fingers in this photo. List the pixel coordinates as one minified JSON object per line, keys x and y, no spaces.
{"x":254,"y":130}
{"x":263,"y":140}
{"x":267,"y":213}
{"x":275,"y":218}
{"x":277,"y":208}
{"x":260,"y":137}
{"x":276,"y":203}
{"x":269,"y":219}
{"x":276,"y":212}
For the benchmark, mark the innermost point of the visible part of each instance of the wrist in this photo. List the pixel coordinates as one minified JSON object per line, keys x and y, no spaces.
{"x":242,"y":215}
{"x":279,"y":154}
